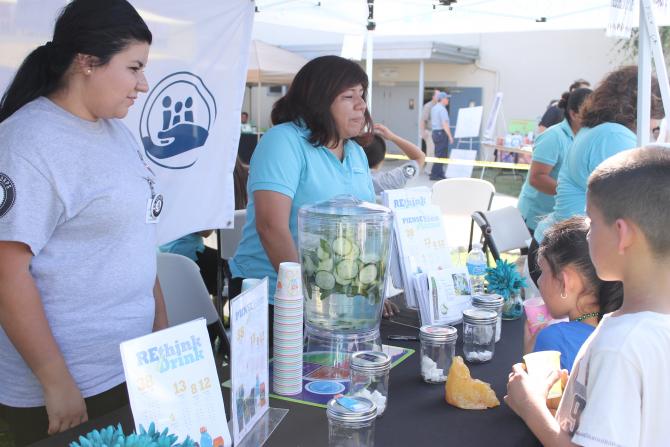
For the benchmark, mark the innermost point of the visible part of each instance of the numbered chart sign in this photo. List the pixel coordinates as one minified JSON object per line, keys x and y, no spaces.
{"x":249,"y":375}
{"x":172,"y":381}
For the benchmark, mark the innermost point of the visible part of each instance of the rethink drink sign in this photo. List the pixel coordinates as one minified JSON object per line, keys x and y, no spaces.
{"x":172,"y":381}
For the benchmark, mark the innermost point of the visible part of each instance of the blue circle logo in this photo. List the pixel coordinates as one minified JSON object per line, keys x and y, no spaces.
{"x":176,"y":119}
{"x":7,"y":194}
{"x":324,"y":387}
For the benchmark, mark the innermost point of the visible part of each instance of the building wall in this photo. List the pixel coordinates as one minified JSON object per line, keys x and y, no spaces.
{"x":530,"y":68}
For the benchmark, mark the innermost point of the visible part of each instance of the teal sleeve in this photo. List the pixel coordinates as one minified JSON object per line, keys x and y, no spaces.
{"x":548,"y":147}
{"x":277,"y":162}
{"x":609,"y":144}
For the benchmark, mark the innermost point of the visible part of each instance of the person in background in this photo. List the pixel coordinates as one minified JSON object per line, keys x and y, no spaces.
{"x":570,"y":288}
{"x":537,"y":194}
{"x":308,"y":156}
{"x":397,"y":177}
{"x":78,"y":235}
{"x":425,"y":125}
{"x":554,"y":114}
{"x":245,"y":124}
{"x":609,"y":123}
{"x":617,"y":393}
{"x":439,"y":119}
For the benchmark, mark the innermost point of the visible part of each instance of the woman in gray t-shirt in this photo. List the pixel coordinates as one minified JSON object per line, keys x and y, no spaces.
{"x":77,"y":247}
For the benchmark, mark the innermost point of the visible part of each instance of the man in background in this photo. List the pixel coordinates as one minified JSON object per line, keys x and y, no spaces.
{"x":439,"y":121}
{"x":424,"y":126}
{"x":554,"y":115}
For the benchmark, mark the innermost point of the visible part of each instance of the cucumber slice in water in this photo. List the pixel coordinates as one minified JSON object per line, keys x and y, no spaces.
{"x":324,"y":280}
{"x":342,"y":246}
{"x":326,"y":264}
{"x":368,"y":274}
{"x":347,"y":269}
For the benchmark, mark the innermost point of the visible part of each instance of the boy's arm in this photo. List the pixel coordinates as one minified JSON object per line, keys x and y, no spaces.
{"x":411,"y":150}
{"x":527,"y":399}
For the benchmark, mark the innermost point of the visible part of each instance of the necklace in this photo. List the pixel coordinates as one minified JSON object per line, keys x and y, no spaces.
{"x":588,"y":315}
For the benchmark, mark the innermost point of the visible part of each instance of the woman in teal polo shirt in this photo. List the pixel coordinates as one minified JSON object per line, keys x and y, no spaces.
{"x":609,"y":124}
{"x":537,"y":194}
{"x":308,"y":156}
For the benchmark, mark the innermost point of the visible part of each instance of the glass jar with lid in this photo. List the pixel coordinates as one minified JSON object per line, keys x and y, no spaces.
{"x":479,"y":334}
{"x":351,"y":422}
{"x":492,"y":302}
{"x":369,"y":377}
{"x":438,"y":347}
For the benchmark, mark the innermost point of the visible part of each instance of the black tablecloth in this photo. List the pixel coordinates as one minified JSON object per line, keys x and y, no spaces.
{"x":417,"y":414}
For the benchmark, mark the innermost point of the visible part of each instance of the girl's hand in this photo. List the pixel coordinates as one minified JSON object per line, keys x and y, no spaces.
{"x":525,"y":395}
{"x":390,"y":309}
{"x":65,"y":406}
{"x":384,"y":131}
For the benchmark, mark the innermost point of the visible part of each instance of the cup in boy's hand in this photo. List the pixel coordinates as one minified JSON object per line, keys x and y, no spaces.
{"x":541,"y":364}
{"x":537,"y":315}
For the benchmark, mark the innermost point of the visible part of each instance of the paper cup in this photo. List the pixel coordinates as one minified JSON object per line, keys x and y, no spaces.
{"x":288,"y":280}
{"x":542,"y":363}
{"x":250,"y":283}
{"x":537,"y":314}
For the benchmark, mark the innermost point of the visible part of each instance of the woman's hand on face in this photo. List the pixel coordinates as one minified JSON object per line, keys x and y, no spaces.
{"x":384,"y":131}
{"x":65,"y":406}
{"x":390,"y":309}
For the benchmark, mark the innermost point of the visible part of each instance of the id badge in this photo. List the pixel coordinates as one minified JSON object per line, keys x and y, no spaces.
{"x":154,"y":208}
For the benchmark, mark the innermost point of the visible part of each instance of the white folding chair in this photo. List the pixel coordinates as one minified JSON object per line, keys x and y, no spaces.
{"x":503,"y":230}
{"x":186,"y":296}
{"x":458,"y":198}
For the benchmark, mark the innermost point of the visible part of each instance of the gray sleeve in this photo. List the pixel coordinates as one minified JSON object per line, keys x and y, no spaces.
{"x":396,"y":178}
{"x":35,"y":208}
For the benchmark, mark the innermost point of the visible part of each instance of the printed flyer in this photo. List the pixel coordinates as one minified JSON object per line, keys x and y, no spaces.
{"x":249,"y":358}
{"x":172,"y":381}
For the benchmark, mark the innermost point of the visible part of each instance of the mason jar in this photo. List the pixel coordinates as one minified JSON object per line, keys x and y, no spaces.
{"x":492,"y":302}
{"x":351,"y":422}
{"x":479,"y":334}
{"x":438,"y":347}
{"x":369,"y":377}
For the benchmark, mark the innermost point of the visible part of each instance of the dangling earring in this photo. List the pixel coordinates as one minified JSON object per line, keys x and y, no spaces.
{"x":88,"y":71}
{"x":564,"y":295}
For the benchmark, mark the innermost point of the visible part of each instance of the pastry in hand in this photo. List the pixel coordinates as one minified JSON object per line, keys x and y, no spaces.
{"x":464,"y":392}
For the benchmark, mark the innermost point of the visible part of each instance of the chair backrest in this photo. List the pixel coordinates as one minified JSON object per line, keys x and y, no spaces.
{"x":463,"y":196}
{"x":504,"y":229}
{"x":184,"y":291}
{"x":230,"y":237}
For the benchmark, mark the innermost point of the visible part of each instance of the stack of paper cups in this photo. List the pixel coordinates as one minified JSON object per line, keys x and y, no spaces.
{"x":287,"y":330}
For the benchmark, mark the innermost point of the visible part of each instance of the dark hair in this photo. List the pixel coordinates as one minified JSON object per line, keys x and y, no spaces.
{"x":100,"y":28}
{"x":572,"y":101}
{"x":312,"y":92}
{"x":615,"y":100}
{"x":244,"y":113}
{"x":635,"y":185}
{"x":578,"y":83}
{"x":564,"y":245}
{"x":375,"y":151}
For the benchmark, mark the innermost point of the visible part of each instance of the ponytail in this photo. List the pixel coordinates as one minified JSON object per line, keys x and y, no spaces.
{"x":99,"y":28}
{"x":40,"y":74}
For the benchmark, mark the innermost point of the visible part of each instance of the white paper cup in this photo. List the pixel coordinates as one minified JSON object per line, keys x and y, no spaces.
{"x":288,"y":280}
{"x":542,"y":363}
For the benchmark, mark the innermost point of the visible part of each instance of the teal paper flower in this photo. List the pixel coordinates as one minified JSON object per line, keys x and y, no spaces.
{"x":504,"y":279}
{"x":114,"y":437}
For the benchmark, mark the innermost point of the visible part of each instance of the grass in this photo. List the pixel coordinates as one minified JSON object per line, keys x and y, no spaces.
{"x":503,"y":179}
{"x":5,"y":439}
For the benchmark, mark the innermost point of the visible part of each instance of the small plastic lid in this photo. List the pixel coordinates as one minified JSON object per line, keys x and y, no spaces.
{"x":487,"y":301}
{"x":480,"y":316}
{"x":477,"y":245}
{"x":351,"y":409}
{"x":436,"y":332}
{"x":370,"y":361}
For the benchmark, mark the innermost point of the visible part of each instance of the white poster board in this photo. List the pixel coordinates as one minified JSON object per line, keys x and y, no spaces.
{"x":490,"y":129}
{"x":469,"y":122}
{"x":172,"y":381}
{"x":455,"y":170}
{"x":249,"y":376}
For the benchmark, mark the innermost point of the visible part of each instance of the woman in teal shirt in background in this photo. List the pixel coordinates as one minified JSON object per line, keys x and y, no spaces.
{"x":307,"y":157}
{"x":537,"y":194}
{"x":609,"y":124}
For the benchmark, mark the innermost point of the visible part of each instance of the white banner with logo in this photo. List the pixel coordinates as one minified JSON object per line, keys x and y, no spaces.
{"x":189,"y":122}
{"x":188,"y":125}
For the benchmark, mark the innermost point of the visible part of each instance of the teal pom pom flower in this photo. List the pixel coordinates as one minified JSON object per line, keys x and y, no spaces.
{"x":114,"y":437}
{"x":504,"y":279}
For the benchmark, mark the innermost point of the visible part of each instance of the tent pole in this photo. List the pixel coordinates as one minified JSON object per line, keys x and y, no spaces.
{"x":258,"y":112}
{"x":419,"y":101}
{"x":368,"y":67}
{"x":643,"y":82}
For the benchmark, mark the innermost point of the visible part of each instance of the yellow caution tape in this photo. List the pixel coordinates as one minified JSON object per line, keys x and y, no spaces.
{"x":483,"y":164}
